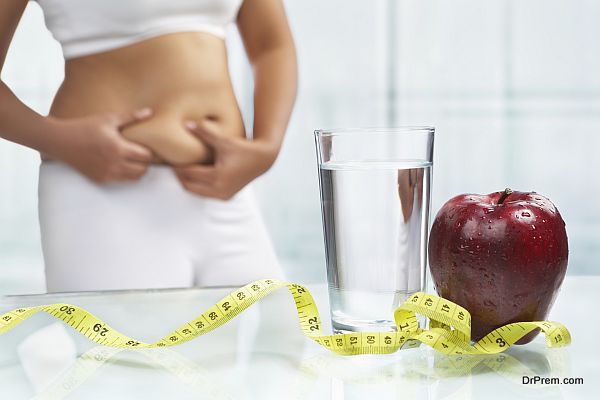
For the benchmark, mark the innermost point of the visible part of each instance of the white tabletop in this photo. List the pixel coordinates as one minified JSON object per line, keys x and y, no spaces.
{"x":263,"y":355}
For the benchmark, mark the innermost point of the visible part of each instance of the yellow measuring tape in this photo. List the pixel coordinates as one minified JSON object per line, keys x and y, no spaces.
{"x":449,"y":333}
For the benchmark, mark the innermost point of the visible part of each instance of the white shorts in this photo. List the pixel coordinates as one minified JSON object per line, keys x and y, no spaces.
{"x":151,"y":233}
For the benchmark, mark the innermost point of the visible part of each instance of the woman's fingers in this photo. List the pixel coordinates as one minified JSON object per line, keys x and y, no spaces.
{"x":136,"y":152}
{"x":199,"y":188}
{"x":134,"y":170}
{"x":201,"y":180}
{"x":128,"y":149}
{"x":206,"y":131}
{"x":123,"y":119}
{"x":196,"y":173}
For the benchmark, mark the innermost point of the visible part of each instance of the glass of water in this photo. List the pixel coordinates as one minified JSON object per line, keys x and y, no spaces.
{"x":375,"y":193}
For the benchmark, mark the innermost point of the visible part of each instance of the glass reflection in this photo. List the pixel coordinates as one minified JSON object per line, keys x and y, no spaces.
{"x":425,"y":374}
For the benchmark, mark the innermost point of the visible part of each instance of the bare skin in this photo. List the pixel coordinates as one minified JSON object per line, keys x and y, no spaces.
{"x":183,"y":87}
{"x":167,"y":99}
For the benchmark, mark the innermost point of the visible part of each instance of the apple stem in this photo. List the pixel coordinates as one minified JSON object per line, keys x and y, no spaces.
{"x":505,"y":194}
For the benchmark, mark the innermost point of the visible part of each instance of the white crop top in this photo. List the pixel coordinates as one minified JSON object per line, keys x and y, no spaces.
{"x":84,"y":27}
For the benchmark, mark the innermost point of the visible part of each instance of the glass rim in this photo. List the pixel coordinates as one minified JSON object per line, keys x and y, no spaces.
{"x":395,"y":130}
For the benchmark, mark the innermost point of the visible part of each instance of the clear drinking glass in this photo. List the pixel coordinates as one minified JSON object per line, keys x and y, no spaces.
{"x":375,"y":192}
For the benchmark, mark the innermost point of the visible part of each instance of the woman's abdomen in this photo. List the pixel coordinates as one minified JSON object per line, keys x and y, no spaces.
{"x":182,"y":76}
{"x":165,"y":132}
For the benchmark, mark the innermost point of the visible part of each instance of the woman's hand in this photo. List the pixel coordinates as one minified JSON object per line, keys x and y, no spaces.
{"x":95,"y":147}
{"x":237,"y":161}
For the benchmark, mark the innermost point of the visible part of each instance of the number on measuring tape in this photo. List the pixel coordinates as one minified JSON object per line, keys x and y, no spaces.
{"x":299,"y":289}
{"x":100,"y":329}
{"x":67,"y":309}
{"x":314,"y":323}
{"x":558,"y":338}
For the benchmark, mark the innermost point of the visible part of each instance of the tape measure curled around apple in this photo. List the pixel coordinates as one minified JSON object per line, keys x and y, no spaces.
{"x":501,"y":256}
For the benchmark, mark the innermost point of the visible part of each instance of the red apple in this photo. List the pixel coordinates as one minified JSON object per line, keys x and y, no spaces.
{"x":502,"y":256}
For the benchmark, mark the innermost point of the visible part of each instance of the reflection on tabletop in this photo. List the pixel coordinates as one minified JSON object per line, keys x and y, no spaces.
{"x":408,"y":375}
{"x":262,"y":354}
{"x":423,"y":373}
{"x":45,"y":351}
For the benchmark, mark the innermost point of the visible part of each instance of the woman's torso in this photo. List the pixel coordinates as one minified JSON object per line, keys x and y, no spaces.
{"x":180,"y":75}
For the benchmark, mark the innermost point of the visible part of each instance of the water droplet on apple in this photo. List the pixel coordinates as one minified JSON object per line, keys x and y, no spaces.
{"x":489,"y":227}
{"x":543,"y":220}
{"x":489,"y":303}
{"x":525,"y":214}
{"x":533,"y":227}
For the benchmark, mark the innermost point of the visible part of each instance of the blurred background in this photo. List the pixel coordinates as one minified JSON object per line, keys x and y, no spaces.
{"x":512,"y":87}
